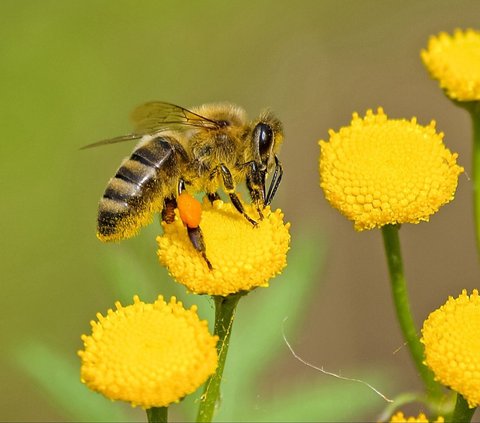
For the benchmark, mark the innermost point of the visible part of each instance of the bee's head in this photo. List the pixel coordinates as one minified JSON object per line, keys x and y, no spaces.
{"x":267,"y":137}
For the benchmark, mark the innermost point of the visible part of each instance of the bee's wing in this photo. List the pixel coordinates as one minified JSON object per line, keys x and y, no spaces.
{"x":121,"y":138}
{"x":156,"y":115}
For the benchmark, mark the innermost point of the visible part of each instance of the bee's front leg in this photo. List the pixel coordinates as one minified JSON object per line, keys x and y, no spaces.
{"x":256,"y":175}
{"x":276,"y":178}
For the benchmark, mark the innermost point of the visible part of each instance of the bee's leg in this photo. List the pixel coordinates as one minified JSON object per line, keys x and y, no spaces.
{"x":181,"y":186}
{"x":170,"y":204}
{"x":213,"y":196}
{"x":230,"y":189}
{"x":168,"y":211}
{"x":196,"y":238}
{"x":190,"y":213}
{"x":276,"y":178}
{"x":256,"y":185}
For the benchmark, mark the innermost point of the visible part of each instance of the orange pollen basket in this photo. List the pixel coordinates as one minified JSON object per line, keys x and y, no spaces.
{"x":190,"y":210}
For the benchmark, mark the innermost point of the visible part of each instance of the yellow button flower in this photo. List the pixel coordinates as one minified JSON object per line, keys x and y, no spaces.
{"x":452,"y":345}
{"x":421,"y":418}
{"x":243,"y":257}
{"x":380,"y":171}
{"x":455,"y":62}
{"x":148,"y":354}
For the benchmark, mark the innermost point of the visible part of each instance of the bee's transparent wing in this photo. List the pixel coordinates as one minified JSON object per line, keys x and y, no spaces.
{"x":157,"y":116}
{"x":121,"y":138}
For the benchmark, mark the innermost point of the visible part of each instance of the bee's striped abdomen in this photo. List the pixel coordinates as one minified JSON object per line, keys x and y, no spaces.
{"x":138,"y":188}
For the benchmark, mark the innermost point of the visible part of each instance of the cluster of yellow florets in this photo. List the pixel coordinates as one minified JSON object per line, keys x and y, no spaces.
{"x":421,"y":418}
{"x":452,"y":345}
{"x":380,"y":171}
{"x":148,"y":354}
{"x":243,"y":257}
{"x":454,"y":60}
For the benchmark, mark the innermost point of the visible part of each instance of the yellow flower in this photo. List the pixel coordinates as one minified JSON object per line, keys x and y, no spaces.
{"x":243,"y":257}
{"x":452,"y":345}
{"x":455,"y":62}
{"x":380,"y":171}
{"x":421,"y":418}
{"x":148,"y":354}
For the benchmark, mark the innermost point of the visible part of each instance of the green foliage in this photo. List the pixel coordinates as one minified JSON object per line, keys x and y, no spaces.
{"x":59,"y":378}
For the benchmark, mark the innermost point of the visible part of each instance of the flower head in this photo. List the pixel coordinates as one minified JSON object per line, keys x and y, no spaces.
{"x":455,"y":62}
{"x":148,"y":354}
{"x":243,"y":257}
{"x":380,"y":171}
{"x":452,"y":345}
{"x":421,"y":418}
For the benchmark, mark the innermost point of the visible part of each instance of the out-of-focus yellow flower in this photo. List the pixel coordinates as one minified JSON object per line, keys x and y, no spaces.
{"x":243,"y":257}
{"x":148,"y":354}
{"x":380,"y":171}
{"x":399,"y":417}
{"x":452,"y":345}
{"x":454,"y":60}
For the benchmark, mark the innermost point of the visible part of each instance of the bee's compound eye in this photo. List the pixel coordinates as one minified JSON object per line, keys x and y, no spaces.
{"x":264,"y":133}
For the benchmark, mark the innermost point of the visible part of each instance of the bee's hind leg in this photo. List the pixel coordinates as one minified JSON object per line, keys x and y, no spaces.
{"x":190,"y":212}
{"x":196,"y":238}
{"x":168,"y":211}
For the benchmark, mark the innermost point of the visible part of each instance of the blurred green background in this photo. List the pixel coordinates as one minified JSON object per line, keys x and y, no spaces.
{"x":71,"y":72}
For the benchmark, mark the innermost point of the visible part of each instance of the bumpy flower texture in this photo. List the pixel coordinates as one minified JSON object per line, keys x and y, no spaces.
{"x":243,"y":257}
{"x":150,"y":355}
{"x":454,"y":60}
{"x":421,"y":418}
{"x":452,"y":345}
{"x":380,"y":171}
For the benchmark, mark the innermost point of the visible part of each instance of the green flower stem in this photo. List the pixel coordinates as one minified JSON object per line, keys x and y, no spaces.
{"x":473,"y":107}
{"x":462,"y":413}
{"x":474,"y":110}
{"x":157,"y":414}
{"x":391,"y":242}
{"x":224,"y":315}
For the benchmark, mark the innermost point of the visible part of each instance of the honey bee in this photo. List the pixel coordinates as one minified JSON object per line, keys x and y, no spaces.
{"x":205,"y":149}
